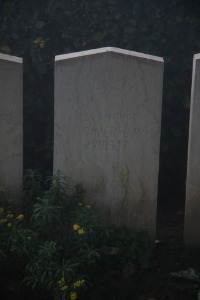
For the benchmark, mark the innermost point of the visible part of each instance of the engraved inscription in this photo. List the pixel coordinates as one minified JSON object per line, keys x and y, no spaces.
{"x":107,"y":132}
{"x":105,"y":145}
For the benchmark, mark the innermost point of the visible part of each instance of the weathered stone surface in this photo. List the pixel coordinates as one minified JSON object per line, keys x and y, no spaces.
{"x":11,"y":128}
{"x":107,"y":131}
{"x":192,"y":206}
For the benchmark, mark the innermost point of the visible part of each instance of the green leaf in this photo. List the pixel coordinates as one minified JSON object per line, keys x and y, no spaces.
{"x":98,"y":36}
{"x":68,"y":13}
{"x":39,"y":24}
{"x":5,"y":49}
{"x":15,"y":36}
{"x":132,"y":22}
{"x":117,"y":16}
{"x":129,"y":32}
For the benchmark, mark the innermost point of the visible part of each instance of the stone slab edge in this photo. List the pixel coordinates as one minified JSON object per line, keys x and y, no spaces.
{"x":11,"y":58}
{"x":108,"y":49}
{"x":195,"y":58}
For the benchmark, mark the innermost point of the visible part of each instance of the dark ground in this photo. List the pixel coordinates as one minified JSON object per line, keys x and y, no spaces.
{"x":155,"y":283}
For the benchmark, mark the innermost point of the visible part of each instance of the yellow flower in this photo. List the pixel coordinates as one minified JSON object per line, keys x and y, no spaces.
{"x":29,"y":238}
{"x":20,"y":217}
{"x":9,"y":225}
{"x":80,"y":204}
{"x":73,"y":296}
{"x":83,"y":282}
{"x":81,"y":231}
{"x":88,"y":206}
{"x":76,"y":227}
{"x":1,"y":210}
{"x":61,"y":282}
{"x":79,"y":283}
{"x":9,"y":216}
{"x":63,"y":288}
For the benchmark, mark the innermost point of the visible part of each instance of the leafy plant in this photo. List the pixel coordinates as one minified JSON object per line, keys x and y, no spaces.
{"x":46,"y":217}
{"x":64,"y":244}
{"x":42,"y":266}
{"x":33,"y":187}
{"x":189,"y":274}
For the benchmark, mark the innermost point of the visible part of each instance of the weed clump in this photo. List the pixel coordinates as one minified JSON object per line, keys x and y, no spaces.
{"x":58,"y":247}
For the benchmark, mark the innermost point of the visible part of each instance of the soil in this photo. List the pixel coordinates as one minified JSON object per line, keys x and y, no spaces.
{"x":155,"y":282}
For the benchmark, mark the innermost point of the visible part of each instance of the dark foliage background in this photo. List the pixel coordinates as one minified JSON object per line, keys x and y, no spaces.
{"x":38,"y":30}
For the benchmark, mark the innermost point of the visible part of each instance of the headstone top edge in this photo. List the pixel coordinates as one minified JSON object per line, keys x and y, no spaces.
{"x":107,"y":49}
{"x":11,"y":58}
{"x":197,"y":56}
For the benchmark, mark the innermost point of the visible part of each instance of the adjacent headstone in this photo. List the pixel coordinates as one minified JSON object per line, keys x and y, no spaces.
{"x":11,"y":128}
{"x":107,"y":131}
{"x":192,"y":206}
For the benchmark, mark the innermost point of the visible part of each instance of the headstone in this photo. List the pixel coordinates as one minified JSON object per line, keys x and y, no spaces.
{"x":11,"y":128}
{"x":107,"y":131}
{"x":192,"y":206}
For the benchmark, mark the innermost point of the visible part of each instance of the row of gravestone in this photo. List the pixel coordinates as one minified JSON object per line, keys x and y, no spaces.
{"x":107,"y":125}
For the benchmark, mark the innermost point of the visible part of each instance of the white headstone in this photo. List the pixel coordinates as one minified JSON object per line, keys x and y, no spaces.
{"x":192,"y":206}
{"x":107,"y":131}
{"x":11,"y":128}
